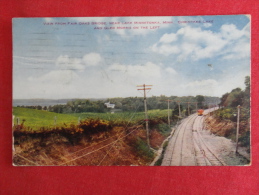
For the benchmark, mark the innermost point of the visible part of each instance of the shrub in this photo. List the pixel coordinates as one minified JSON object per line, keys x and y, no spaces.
{"x":159,"y":161}
{"x":164,"y":128}
{"x":143,"y":149}
{"x":245,"y":139}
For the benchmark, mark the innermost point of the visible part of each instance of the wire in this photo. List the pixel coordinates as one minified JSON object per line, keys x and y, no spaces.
{"x":97,"y":149}
{"x":121,"y":134}
{"x":112,"y":143}
{"x":87,"y":147}
{"x":37,"y":59}
{"x":27,"y":159}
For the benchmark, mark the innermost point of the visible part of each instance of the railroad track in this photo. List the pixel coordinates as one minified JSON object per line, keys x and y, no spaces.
{"x":179,"y":151}
{"x":205,"y":156}
{"x":187,"y":146}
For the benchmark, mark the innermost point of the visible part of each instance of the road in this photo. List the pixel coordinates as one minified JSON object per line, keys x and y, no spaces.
{"x":187,"y":147}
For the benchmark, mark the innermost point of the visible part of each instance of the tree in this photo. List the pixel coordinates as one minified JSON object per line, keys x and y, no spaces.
{"x":235,"y":98}
{"x":223,"y":99}
{"x":39,"y":107}
{"x":200,"y":99}
{"x":246,"y":102}
{"x":247,"y":83}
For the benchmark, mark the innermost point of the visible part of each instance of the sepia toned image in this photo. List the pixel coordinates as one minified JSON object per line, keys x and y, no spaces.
{"x":132,"y":91}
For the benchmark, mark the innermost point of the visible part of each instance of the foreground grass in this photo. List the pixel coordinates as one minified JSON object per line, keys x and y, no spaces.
{"x":36,"y":119}
{"x":40,"y":118}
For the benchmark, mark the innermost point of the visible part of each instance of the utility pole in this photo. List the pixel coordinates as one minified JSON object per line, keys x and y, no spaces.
{"x":168,"y":111}
{"x":216,"y":105}
{"x":18,"y":121}
{"x":188,"y":108}
{"x":196,"y":103}
{"x":238,"y":116}
{"x":55,"y":121}
{"x":145,"y":106}
{"x":13,"y":120}
{"x":179,"y":108}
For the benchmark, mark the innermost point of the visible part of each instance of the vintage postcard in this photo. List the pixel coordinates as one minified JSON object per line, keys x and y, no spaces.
{"x":131,"y":91}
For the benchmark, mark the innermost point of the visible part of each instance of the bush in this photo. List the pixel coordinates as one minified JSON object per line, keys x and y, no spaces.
{"x":159,"y":162}
{"x":225,"y":114}
{"x":245,"y":139}
{"x":143,"y":149}
{"x":164,"y":129}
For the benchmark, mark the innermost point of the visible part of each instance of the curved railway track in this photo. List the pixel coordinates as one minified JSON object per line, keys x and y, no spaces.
{"x":205,"y":156}
{"x":187,"y":146}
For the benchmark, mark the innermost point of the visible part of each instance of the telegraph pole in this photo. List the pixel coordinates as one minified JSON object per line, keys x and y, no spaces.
{"x":179,"y":109}
{"x":238,"y":116}
{"x":145,"y":106}
{"x":168,"y":111}
{"x":196,"y":103}
{"x":188,"y":108}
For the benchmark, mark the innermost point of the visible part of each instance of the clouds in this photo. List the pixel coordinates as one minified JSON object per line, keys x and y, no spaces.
{"x":56,"y":77}
{"x":170,"y":71}
{"x":92,"y":59}
{"x":196,"y":43}
{"x":65,"y":62}
{"x":147,"y":70}
{"x":230,"y":32}
{"x":168,"y":38}
{"x":65,"y":75}
{"x":165,"y":49}
{"x":206,"y":87}
{"x":77,"y":61}
{"x":97,"y":81}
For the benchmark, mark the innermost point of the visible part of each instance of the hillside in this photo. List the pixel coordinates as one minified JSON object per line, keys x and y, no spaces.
{"x":94,"y":140}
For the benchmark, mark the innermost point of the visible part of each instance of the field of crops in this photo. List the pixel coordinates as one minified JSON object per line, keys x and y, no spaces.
{"x":36,"y":119}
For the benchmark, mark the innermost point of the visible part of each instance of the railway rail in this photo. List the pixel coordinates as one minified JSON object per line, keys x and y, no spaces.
{"x":188,"y":148}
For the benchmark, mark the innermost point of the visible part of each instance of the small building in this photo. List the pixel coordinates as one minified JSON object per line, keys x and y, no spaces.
{"x":109,"y":105}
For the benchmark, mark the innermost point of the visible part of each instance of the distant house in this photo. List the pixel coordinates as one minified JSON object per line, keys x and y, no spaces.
{"x":109,"y":105}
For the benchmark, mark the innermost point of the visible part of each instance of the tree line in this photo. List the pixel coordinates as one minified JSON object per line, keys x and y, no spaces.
{"x":237,"y":96}
{"x":131,"y":104}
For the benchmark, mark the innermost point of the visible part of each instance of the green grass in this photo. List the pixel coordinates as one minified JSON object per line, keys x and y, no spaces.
{"x":124,"y":116}
{"x":40,"y":118}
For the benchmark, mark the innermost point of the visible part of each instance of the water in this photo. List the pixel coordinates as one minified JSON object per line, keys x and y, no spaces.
{"x":39,"y":102}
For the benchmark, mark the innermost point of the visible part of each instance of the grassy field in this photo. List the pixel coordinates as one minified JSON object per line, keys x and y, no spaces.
{"x":40,"y":118}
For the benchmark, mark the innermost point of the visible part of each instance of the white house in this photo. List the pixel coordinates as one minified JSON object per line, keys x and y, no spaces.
{"x":109,"y":105}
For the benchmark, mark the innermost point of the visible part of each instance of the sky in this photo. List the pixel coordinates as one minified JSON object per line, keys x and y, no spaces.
{"x":104,"y":57}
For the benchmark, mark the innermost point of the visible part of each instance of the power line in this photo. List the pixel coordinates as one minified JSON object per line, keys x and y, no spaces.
{"x":98,"y":148}
{"x":110,"y":138}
